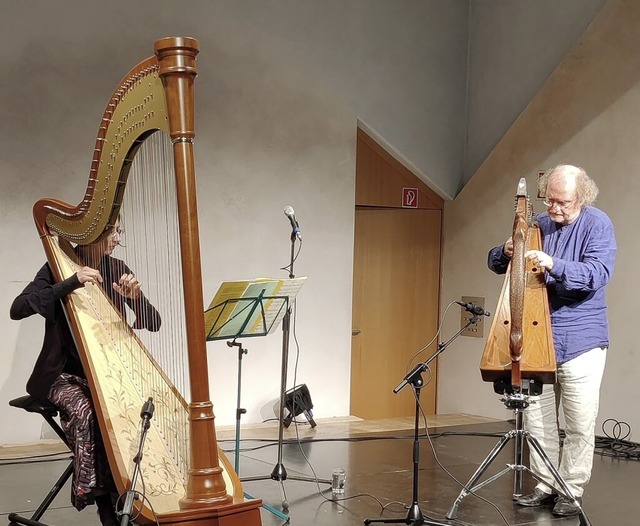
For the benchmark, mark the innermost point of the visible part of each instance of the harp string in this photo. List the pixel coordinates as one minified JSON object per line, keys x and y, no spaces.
{"x":150,"y":247}
{"x":130,"y":364}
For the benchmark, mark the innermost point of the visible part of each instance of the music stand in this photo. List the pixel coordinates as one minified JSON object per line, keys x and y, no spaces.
{"x":249,"y":309}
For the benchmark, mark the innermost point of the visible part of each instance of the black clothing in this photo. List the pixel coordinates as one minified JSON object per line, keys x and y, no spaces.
{"x":59,"y":353}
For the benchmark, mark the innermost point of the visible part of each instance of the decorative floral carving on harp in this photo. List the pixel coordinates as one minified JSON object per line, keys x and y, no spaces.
{"x":187,"y":477}
{"x":520,"y":344}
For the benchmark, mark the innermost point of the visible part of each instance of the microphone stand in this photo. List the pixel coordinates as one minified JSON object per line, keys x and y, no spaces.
{"x":279,"y":472}
{"x":146,"y":414}
{"x":414,"y":378}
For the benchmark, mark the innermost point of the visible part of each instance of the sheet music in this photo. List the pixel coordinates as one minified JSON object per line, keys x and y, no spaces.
{"x":215,"y":313}
{"x":250,"y":307}
{"x":287,"y":288}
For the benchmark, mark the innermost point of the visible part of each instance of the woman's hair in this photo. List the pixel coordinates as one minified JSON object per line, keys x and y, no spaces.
{"x":586,"y":188}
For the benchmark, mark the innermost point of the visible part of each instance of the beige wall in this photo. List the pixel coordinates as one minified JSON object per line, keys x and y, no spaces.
{"x":586,"y":114}
{"x":282,"y":85}
{"x":280,"y":90}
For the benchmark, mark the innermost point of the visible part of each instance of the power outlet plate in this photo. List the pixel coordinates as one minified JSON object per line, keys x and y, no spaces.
{"x":475,"y":330}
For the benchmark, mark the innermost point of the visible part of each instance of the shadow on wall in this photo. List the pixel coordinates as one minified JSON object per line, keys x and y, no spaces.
{"x":595,"y":74}
{"x":24,"y":425}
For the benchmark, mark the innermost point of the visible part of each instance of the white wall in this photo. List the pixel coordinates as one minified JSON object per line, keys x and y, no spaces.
{"x":585,"y":114}
{"x":281,"y":86}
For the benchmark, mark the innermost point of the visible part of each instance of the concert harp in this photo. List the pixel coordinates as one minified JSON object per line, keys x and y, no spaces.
{"x":520,"y":344}
{"x":187,"y":478}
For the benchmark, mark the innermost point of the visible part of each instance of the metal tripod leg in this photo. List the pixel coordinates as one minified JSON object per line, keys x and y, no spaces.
{"x":535,"y":445}
{"x":471,"y":487}
{"x":518,"y":402}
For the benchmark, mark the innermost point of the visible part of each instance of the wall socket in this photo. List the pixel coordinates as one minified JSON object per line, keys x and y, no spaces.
{"x":475,"y":330}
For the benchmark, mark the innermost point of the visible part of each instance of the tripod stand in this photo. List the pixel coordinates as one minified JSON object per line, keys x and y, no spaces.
{"x":414,"y":378}
{"x":279,"y":472}
{"x":518,"y":401}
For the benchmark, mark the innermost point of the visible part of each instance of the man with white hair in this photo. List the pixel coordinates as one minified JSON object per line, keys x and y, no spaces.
{"x":578,"y":255}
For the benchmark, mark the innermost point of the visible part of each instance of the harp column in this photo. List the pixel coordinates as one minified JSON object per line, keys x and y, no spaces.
{"x":177,"y":61}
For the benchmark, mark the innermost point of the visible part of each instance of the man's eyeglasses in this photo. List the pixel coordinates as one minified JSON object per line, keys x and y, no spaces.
{"x":117,"y":232}
{"x":562,"y":205}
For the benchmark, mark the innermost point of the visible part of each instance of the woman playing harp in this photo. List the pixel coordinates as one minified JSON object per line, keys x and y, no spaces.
{"x":58,"y":375}
{"x":577,"y":257}
{"x":145,"y":146}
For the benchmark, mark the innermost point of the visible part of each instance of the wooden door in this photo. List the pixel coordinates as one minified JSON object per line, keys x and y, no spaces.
{"x":395,"y":307}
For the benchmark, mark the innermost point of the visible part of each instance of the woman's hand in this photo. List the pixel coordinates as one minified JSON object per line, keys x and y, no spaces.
{"x":89,"y":275}
{"x":128,"y":286}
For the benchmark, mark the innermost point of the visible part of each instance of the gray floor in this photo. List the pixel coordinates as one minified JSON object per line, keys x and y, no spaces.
{"x":380,"y":473}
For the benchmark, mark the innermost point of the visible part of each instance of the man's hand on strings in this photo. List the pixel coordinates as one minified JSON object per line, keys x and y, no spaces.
{"x":128,"y":286}
{"x":508,"y":248}
{"x":89,"y":275}
{"x":540,"y":259}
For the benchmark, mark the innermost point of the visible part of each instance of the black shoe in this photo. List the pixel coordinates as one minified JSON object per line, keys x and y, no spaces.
{"x":108,"y":519}
{"x":106,"y":511}
{"x":537,"y":498}
{"x":565,"y":507}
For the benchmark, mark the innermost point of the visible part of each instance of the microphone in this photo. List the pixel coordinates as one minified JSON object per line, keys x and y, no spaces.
{"x":288,"y":211}
{"x":146,"y":413}
{"x":474,"y":309}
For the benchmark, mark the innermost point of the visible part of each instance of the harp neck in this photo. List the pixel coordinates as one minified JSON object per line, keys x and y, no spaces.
{"x":520,"y":343}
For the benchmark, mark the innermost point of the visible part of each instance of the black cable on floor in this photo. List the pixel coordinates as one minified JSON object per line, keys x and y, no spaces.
{"x":614,"y":443}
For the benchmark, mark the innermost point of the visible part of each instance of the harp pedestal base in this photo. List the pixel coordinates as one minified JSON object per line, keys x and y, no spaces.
{"x":239,"y":513}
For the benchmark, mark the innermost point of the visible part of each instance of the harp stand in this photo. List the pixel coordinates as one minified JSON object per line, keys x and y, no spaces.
{"x":518,"y":400}
{"x":415,"y":516}
{"x":146,"y":414}
{"x":279,"y":472}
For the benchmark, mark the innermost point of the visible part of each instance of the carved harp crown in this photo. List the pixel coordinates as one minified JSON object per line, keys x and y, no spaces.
{"x":187,"y":478}
{"x":520,"y":344}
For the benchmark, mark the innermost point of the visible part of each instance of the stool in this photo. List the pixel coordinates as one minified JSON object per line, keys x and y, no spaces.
{"x":48,"y":412}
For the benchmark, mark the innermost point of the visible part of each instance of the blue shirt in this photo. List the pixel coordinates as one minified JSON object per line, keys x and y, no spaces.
{"x":583,"y":255}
